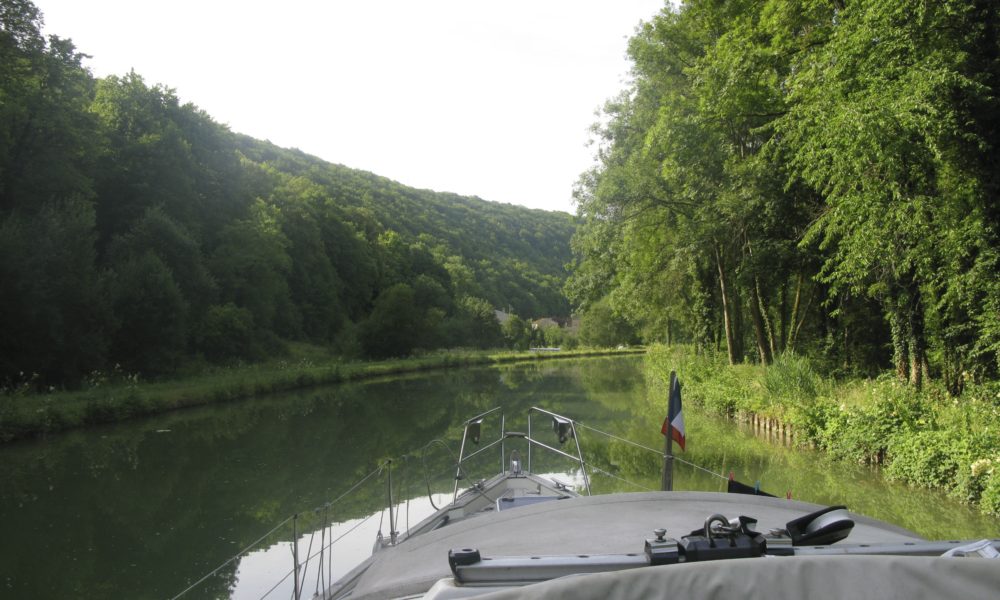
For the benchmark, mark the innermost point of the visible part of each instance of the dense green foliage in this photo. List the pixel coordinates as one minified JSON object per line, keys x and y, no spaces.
{"x":921,"y":436}
{"x":809,"y":175}
{"x":107,"y":397}
{"x":136,"y":231}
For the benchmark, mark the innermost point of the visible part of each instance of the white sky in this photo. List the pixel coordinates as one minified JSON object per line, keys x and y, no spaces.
{"x":492,"y":99}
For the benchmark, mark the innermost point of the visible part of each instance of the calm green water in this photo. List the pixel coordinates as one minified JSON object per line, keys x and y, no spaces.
{"x":142,"y":509}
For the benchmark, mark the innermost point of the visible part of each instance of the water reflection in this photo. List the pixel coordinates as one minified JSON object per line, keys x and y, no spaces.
{"x":142,"y":509}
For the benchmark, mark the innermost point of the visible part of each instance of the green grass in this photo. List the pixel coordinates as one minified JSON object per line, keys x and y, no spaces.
{"x":925,"y":438}
{"x":110,"y":398}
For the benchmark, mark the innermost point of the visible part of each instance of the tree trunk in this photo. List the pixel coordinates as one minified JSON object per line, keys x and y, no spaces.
{"x":735,"y":301}
{"x":760,"y":334}
{"x":766,"y":315}
{"x":918,"y":345}
{"x":782,"y":336}
{"x":795,"y":322}
{"x":900,"y":342}
{"x":726,"y":317}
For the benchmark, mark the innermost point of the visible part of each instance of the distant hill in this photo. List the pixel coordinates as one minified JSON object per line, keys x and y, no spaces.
{"x":518,"y":254}
{"x":138,"y":234}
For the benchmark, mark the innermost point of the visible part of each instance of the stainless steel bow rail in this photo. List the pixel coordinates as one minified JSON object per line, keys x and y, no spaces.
{"x":564,"y":427}
{"x":319,"y":563}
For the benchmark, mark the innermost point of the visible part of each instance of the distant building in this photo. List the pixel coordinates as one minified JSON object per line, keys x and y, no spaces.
{"x":501,"y":316}
{"x":545,"y":323}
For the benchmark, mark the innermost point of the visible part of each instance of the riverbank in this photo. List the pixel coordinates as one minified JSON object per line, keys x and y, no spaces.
{"x":924,"y":438}
{"x":110,"y":399}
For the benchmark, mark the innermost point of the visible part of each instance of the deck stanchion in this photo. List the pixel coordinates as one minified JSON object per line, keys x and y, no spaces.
{"x":579,"y":452}
{"x":392,"y":518}
{"x":458,"y":466}
{"x":529,"y":443}
{"x":295,"y":556}
{"x":503,"y":436}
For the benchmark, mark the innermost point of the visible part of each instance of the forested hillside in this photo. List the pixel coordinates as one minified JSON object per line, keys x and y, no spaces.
{"x":136,"y":233}
{"x":817,"y":176}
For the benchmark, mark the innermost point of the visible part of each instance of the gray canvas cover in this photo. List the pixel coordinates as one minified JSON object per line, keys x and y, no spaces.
{"x":783,"y":578}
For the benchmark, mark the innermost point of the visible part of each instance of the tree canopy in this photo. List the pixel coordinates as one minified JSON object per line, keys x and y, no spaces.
{"x":136,"y":231}
{"x":809,"y":175}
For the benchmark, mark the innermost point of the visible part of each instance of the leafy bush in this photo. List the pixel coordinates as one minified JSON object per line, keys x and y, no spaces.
{"x":990,"y":499}
{"x":926,"y":458}
{"x":227,"y":332}
{"x":863,"y":433}
{"x":811,"y":418}
{"x":601,"y":327}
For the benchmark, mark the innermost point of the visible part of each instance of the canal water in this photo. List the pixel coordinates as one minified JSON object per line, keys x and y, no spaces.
{"x":146,"y":508}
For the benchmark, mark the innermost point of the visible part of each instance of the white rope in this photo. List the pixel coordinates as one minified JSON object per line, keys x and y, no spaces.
{"x":700,"y":468}
{"x":654,"y":451}
{"x":348,"y":532}
{"x":332,"y":542}
{"x":253,"y":544}
{"x":234,"y":557}
{"x":622,"y":479}
{"x":354,"y":487}
{"x":305,"y":567}
{"x":620,"y":439}
{"x":275,"y":586}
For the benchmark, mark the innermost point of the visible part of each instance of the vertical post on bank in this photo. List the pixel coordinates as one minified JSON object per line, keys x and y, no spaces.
{"x":667,"y":484}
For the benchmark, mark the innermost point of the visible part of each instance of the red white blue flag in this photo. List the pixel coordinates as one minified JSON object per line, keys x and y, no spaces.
{"x":673,"y":425}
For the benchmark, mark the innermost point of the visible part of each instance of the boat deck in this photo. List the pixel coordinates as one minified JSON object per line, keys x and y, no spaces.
{"x":607,"y":524}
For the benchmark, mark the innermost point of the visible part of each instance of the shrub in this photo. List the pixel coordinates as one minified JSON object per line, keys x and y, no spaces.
{"x":971,"y":480}
{"x":227,"y":332}
{"x":990,"y":500}
{"x":926,"y":458}
{"x":863,"y":433}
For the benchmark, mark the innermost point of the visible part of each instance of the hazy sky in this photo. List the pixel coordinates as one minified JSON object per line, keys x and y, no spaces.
{"x":492,"y":99}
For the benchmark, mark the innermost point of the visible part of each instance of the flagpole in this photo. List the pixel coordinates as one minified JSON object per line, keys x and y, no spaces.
{"x":667,"y":484}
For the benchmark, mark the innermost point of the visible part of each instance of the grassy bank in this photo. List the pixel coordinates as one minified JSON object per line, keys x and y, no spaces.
{"x":925,"y":438}
{"x":108,"y":399}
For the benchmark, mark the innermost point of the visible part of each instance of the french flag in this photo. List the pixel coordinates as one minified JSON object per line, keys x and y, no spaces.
{"x":674,"y":423}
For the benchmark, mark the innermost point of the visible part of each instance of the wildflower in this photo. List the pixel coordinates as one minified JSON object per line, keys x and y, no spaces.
{"x":982,"y":466}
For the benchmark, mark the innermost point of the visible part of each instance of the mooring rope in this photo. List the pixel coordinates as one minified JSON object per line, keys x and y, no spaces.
{"x":253,"y":544}
{"x":327,"y":548}
{"x":620,"y":439}
{"x":275,"y":586}
{"x":700,"y":468}
{"x":423,"y":463}
{"x":653,"y":450}
{"x":349,"y":531}
{"x":234,"y":557}
{"x":322,"y":557}
{"x":353,"y":487}
{"x":330,"y":545}
{"x":305,"y":566}
{"x":622,"y":479}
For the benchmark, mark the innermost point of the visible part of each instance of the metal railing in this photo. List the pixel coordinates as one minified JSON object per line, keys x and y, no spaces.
{"x":563,"y":426}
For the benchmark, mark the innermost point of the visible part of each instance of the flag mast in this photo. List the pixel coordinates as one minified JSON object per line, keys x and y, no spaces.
{"x":667,"y":483}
